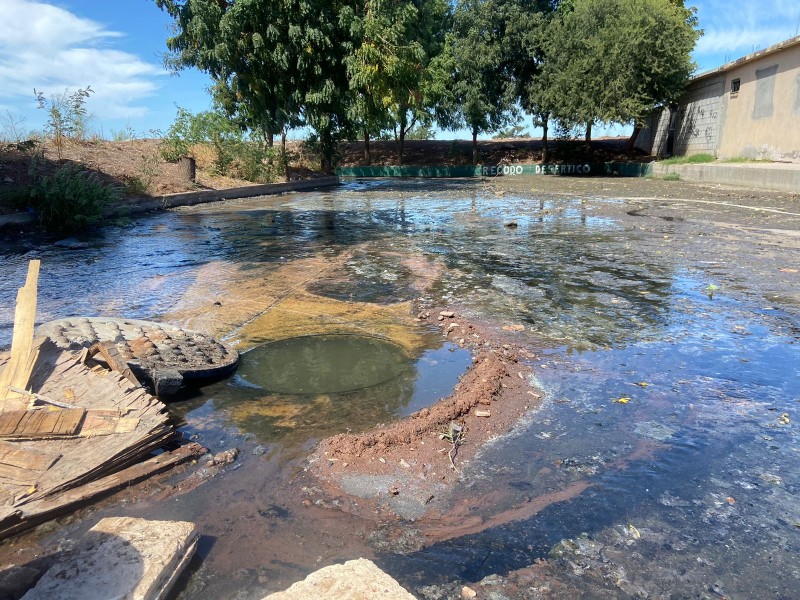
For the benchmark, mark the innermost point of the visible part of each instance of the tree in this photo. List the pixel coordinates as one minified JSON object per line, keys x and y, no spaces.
{"x":381,"y":65}
{"x":274,"y":63}
{"x":615,"y":61}
{"x":474,"y":85}
{"x":394,"y":42}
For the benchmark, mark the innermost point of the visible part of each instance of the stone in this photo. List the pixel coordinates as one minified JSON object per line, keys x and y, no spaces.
{"x":448,"y":314}
{"x":121,"y":557}
{"x":358,"y":579}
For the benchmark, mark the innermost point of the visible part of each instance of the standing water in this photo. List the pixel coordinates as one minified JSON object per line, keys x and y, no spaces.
{"x":663,"y":462}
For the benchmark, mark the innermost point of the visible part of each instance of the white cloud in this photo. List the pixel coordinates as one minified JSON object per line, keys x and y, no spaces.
{"x":742,"y":26}
{"x":48,"y":48}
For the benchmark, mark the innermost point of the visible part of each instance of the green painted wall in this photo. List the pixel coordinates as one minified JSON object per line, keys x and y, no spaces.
{"x":571,"y":170}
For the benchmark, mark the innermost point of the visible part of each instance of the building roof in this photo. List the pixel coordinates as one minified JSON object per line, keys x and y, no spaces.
{"x":785,"y":44}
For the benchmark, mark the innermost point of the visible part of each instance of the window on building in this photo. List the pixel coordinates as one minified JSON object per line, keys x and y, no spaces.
{"x":765,"y":89}
{"x":735,"y":84}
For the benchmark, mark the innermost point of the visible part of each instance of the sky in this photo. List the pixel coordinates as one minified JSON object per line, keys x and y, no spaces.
{"x":117,"y":48}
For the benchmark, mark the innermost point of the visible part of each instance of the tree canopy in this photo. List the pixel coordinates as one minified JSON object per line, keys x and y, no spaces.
{"x":370,"y":66}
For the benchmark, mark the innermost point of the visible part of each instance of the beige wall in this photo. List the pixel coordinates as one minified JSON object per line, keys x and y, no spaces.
{"x":710,"y":119}
{"x":749,"y":130}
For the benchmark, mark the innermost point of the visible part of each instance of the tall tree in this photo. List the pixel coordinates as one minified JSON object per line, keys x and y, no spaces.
{"x":614,"y":61}
{"x":474,"y":83}
{"x":274,"y":62}
{"x":383,"y":67}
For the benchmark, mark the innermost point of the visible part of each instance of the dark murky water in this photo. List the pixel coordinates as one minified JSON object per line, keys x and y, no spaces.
{"x":678,"y":412}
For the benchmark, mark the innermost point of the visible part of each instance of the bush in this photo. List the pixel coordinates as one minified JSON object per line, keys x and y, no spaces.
{"x":693,"y":159}
{"x":70,"y":199}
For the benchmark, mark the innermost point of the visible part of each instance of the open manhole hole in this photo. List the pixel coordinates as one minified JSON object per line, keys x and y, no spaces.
{"x":324,"y":364}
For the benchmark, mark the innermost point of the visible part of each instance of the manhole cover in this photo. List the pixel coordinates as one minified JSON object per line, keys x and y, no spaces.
{"x":148,"y":347}
{"x":323,"y":364}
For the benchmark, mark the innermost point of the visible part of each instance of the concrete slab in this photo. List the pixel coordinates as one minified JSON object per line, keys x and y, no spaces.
{"x":120,"y":557}
{"x":780,"y":177}
{"x":357,"y":579}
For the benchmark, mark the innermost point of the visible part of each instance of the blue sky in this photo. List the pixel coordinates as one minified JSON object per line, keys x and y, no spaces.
{"x":116,"y":46}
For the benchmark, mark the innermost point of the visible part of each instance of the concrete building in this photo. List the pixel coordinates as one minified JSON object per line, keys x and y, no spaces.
{"x":748,"y":108}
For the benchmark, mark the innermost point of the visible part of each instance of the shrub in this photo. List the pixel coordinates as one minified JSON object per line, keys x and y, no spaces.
{"x":671,"y":177}
{"x":70,"y":199}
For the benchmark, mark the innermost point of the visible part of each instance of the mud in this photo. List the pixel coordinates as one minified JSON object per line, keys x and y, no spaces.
{"x":660,"y":460}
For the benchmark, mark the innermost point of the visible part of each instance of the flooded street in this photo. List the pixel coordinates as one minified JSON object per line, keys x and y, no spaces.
{"x":662,"y":321}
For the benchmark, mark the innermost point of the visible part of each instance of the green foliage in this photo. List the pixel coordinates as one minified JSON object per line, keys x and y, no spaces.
{"x":692,"y":159}
{"x":67,"y":117}
{"x":615,"y":60}
{"x":149,"y":167}
{"x":123,"y":135}
{"x":671,"y":177}
{"x":421,"y":132}
{"x":70,"y":199}
{"x":233,"y":153}
{"x":514,"y":131}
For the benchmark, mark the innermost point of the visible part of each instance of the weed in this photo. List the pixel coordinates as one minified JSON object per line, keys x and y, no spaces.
{"x":455,"y":434}
{"x":66,"y":115}
{"x":710,"y":289}
{"x":149,"y":168}
{"x":70,"y":199}
{"x":693,"y":159}
{"x":671,"y":177}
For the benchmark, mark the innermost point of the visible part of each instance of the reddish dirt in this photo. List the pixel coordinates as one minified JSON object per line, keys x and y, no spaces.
{"x":412,"y":449}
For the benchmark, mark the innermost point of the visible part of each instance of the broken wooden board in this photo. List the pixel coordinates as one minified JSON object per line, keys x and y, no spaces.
{"x":22,"y":465}
{"x":122,"y":424}
{"x":40,"y":423}
{"x":120,"y":557}
{"x":16,"y":520}
{"x":23,"y":349}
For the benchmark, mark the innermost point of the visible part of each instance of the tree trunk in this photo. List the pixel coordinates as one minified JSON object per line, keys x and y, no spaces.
{"x":367,"y":153}
{"x":545,"y":153}
{"x":284,"y":156}
{"x":588,"y":133}
{"x":632,"y":140}
{"x":474,"y":146}
{"x":326,"y":147}
{"x":270,"y":139}
{"x":401,"y":138}
{"x":187,"y":169}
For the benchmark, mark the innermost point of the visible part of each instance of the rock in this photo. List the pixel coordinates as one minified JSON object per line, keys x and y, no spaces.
{"x":259,"y":450}
{"x":448,"y":314}
{"x":404,"y":464}
{"x":71,"y":244}
{"x":121,"y":557}
{"x":452,"y":326}
{"x":354,"y":580}
{"x":468,"y":592}
{"x":225,"y":457}
{"x":512,"y":225}
{"x":482,"y":413}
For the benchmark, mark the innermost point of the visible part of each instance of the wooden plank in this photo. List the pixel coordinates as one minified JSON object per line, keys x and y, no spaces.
{"x":9,"y":420}
{"x":17,"y":371}
{"x":40,"y":423}
{"x":16,"y":520}
{"x":27,"y":457}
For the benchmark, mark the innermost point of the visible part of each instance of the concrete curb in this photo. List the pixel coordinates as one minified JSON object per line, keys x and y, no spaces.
{"x":145,"y":205}
{"x":773,"y":177}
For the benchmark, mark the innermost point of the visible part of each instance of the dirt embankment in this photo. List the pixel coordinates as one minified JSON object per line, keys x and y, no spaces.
{"x":415,"y":459}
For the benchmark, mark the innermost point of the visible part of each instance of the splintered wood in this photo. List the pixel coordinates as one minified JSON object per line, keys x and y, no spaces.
{"x":23,"y":349}
{"x":67,"y":427}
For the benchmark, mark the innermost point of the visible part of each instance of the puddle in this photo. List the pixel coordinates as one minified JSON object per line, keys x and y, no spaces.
{"x":302,"y":389}
{"x":686,"y":488}
{"x":323,"y":364}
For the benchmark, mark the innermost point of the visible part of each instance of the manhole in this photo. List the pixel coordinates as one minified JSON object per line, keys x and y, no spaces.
{"x":152,"y":350}
{"x":324,"y":364}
